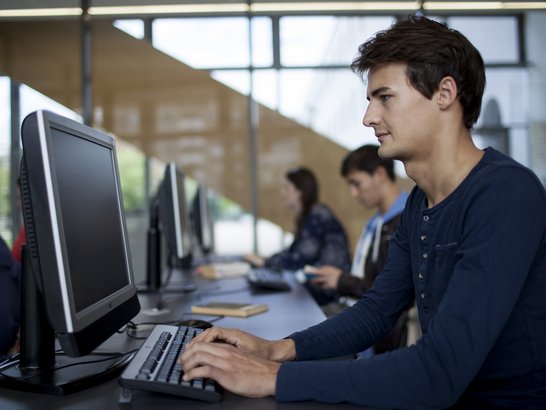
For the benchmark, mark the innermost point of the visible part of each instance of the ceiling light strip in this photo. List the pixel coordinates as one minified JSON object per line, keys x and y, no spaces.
{"x":51,"y":12}
{"x":525,"y":5}
{"x":483,"y":5}
{"x":334,"y":6}
{"x":278,"y":7}
{"x":169,"y":9}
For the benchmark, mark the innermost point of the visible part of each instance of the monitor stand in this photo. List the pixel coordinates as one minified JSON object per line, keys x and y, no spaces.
{"x":179,"y":279}
{"x":179,"y":269}
{"x":38,"y":367}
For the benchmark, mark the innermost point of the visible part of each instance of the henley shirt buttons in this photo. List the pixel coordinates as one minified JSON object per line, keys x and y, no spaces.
{"x":422,"y":295}
{"x":423,"y":237}
{"x":425,"y":218}
{"x":420,"y":275}
{"x":425,"y":255}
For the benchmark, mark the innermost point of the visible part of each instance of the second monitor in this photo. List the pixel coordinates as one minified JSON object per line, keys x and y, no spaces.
{"x":170,"y":220}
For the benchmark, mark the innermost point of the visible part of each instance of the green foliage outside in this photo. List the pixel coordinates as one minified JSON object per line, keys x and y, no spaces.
{"x":5,"y":206}
{"x":131,"y":164}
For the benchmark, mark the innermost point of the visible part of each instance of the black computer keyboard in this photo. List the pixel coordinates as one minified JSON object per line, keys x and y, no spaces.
{"x":267,"y":279}
{"x":155,"y":367}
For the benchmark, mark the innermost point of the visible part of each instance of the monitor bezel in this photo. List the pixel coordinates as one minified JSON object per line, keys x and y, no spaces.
{"x":55,"y":276}
{"x":202,"y":220}
{"x":172,"y":197}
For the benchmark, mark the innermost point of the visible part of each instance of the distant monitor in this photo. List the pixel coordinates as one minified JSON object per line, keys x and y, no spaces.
{"x":203,"y":224}
{"x":77,"y":285}
{"x":174,"y":218}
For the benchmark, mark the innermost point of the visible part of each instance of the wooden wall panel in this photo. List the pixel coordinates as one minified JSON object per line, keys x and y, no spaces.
{"x":175,"y":113}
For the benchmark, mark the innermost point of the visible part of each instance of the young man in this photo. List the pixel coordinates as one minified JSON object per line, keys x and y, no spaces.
{"x":470,"y":246}
{"x":372,"y":182}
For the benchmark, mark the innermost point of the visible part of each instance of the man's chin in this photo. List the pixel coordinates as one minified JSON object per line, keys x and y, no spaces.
{"x":384,"y":152}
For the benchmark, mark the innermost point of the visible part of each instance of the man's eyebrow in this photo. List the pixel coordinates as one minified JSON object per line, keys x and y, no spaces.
{"x":377,"y":91}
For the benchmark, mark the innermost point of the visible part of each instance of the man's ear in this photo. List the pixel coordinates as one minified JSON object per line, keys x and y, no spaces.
{"x":447,"y":92}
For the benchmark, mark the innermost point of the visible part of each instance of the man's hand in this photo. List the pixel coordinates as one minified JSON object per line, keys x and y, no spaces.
{"x":327,"y":276}
{"x":279,"y":350}
{"x":236,"y":370}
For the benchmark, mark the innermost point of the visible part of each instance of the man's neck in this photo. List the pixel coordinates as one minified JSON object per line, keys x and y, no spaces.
{"x":440,"y":172}
{"x":391,"y":192}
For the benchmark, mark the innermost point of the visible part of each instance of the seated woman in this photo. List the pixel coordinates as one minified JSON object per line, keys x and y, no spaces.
{"x":319,"y":239}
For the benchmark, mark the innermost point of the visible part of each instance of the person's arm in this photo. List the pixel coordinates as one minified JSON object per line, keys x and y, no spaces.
{"x":305,"y":248}
{"x":331,"y":277}
{"x":326,"y":276}
{"x":9,"y":299}
{"x":254,"y":260}
{"x":349,"y":285}
{"x":489,"y":271}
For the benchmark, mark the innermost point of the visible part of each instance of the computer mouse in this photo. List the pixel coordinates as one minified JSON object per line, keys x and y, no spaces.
{"x":198,"y":323}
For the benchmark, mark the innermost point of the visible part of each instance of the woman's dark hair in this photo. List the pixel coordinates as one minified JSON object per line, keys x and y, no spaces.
{"x":431,"y":52}
{"x":367,"y":159}
{"x":305,"y":181}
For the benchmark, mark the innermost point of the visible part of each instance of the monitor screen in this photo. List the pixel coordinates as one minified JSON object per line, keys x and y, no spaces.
{"x":174,"y":217}
{"x":202,"y":220}
{"x":87,"y":204}
{"x":77,"y":253}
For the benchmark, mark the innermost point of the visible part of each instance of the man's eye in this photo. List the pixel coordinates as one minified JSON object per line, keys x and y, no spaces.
{"x":384,"y":97}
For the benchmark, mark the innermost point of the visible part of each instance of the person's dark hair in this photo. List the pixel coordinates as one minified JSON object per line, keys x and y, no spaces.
{"x":367,"y":159}
{"x":431,"y":52}
{"x":305,"y":181}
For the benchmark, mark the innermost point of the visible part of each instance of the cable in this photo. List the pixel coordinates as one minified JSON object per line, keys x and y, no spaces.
{"x":37,"y":372}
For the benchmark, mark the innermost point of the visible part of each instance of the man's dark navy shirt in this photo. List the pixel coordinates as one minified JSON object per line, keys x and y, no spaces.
{"x":476,"y":265}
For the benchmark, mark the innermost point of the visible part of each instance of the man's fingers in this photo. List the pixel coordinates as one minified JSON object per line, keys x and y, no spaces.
{"x":202,"y":353}
{"x":204,"y":371}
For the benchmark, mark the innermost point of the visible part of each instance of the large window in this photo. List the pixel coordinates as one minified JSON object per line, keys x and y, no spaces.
{"x":5,"y":144}
{"x":295,"y":66}
{"x":497,"y":38}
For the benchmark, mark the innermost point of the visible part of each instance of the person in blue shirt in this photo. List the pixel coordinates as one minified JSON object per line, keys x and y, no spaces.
{"x":470,"y":247}
{"x":372,"y":182}
{"x":10,"y":278}
{"x":319,"y":237}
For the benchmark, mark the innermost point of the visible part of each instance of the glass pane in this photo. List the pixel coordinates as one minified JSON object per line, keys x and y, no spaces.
{"x":307,"y":95}
{"x":262,"y":42}
{"x":505,"y":110}
{"x":232,"y":229}
{"x":271,"y":238}
{"x":495,"y":37}
{"x":201,"y":42}
{"x":304,"y":39}
{"x":131,"y":162}
{"x":132,"y":27}
{"x":5,"y":144}
{"x":326,"y":40}
{"x":32,"y":100}
{"x":266,"y":88}
{"x":348,"y":34}
{"x":239,"y":80}
{"x":266,"y":84}
{"x":510,"y":88}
